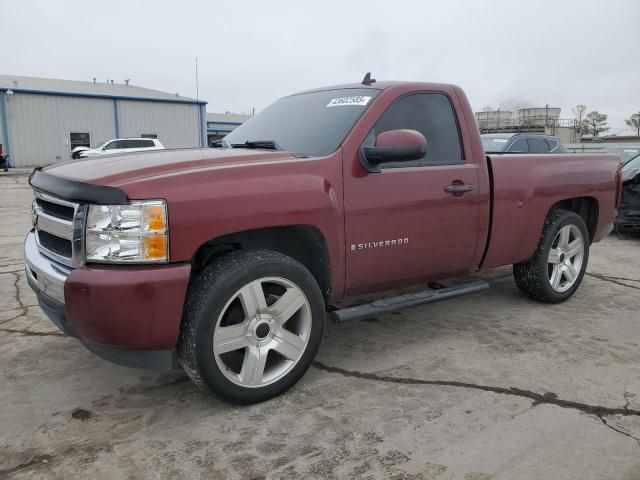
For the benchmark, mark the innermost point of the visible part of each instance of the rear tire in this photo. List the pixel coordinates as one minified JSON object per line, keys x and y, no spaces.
{"x":252,"y":325}
{"x":557,"y":267}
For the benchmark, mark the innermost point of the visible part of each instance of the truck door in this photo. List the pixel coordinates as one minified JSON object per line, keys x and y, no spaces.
{"x":406,"y":224}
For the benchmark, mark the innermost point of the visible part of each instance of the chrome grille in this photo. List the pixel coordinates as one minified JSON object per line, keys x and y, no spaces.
{"x":55,"y":244}
{"x":59,"y":227}
{"x":63,"y":212}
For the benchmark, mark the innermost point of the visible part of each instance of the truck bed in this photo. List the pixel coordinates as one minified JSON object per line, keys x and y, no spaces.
{"x":524,"y":188}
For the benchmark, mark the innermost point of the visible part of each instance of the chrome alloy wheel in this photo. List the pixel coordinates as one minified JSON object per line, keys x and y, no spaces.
{"x":262,"y":332}
{"x":565,"y":258}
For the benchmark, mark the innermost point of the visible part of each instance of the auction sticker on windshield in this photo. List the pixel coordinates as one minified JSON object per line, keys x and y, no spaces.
{"x":357,"y":100}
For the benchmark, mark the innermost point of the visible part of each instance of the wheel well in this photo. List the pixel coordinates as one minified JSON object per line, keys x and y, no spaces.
{"x":586,"y":207}
{"x":303,"y":243}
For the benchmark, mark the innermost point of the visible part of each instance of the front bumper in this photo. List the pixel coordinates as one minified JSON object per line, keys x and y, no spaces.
{"x":127,"y":314}
{"x":45,"y":276}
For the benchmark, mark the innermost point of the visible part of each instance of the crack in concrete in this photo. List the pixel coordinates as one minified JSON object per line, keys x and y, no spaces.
{"x":38,"y":459}
{"x":626,"y":279}
{"x":7,"y":320}
{"x":606,"y":278}
{"x":44,"y":459}
{"x":10,"y":271}
{"x":548,"y":398}
{"x":17,"y":290}
{"x":608,"y":425}
{"x":20,"y":308}
{"x":31,"y":333}
{"x":23,"y":312}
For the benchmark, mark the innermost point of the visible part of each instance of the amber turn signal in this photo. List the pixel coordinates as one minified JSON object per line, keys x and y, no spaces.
{"x":154,"y":247}
{"x":155,"y":218}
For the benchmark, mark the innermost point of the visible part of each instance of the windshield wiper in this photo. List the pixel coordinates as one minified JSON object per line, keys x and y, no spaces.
{"x":264,"y":144}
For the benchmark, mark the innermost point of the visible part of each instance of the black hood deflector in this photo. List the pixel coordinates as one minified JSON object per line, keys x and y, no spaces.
{"x":74,"y":191}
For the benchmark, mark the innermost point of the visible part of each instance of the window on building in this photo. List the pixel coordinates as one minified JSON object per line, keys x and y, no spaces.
{"x":79,"y":139}
{"x":149,"y":135}
{"x":430,"y":114}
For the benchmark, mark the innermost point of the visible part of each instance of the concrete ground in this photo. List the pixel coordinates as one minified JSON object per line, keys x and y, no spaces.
{"x":488,"y":386}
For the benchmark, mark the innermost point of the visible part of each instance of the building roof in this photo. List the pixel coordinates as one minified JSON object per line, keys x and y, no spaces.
{"x":227,"y":117}
{"x":19,"y":83}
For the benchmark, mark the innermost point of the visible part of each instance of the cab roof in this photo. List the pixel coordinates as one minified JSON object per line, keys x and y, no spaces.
{"x":381,"y":85}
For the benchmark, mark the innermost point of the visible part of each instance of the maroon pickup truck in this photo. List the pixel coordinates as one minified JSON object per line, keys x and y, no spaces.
{"x":227,"y":260}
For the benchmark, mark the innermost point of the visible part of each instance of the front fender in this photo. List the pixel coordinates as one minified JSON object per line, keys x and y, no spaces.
{"x":208,"y":203}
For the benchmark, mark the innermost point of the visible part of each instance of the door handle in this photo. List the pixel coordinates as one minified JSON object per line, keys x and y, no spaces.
{"x":458,"y":188}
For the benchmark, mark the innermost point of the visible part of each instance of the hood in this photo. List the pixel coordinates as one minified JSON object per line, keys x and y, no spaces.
{"x":120,"y":169}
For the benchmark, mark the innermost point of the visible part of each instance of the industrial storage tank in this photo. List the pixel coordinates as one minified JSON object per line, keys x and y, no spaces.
{"x":495,"y":119}
{"x":538,"y":117}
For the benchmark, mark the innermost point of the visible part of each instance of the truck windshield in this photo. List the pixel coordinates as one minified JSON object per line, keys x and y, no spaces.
{"x":308,"y":124}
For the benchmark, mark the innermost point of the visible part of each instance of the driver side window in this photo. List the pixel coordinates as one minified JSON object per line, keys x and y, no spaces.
{"x":430,"y":114}
{"x":111,"y":146}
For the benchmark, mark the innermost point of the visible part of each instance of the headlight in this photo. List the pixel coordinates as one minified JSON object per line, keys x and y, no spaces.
{"x":136,"y":232}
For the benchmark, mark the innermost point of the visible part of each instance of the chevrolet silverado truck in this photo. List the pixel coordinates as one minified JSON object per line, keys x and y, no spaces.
{"x":227,"y":261}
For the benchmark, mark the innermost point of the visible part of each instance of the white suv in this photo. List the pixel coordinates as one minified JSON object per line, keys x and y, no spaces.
{"x":121,"y":145}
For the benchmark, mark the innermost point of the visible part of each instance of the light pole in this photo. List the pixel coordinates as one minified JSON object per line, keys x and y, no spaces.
{"x":580,"y":109}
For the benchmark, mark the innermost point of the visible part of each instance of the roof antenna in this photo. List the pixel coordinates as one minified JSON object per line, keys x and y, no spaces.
{"x":367,"y":80}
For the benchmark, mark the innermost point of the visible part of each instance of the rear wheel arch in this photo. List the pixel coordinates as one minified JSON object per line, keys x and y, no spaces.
{"x":304,"y":243}
{"x":586,"y":207}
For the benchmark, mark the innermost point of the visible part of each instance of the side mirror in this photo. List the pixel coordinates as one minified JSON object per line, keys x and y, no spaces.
{"x":394,"y":146}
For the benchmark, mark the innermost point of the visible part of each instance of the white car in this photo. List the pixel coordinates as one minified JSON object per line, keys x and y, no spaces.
{"x":120,"y":145}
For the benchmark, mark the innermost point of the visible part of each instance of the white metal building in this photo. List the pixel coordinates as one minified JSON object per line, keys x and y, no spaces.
{"x":42,"y":120}
{"x":220,"y":124}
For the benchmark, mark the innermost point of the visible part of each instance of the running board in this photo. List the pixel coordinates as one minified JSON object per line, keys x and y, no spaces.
{"x":390,"y":304}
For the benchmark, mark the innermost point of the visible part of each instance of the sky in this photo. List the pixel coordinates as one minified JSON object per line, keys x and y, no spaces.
{"x":502,"y":52}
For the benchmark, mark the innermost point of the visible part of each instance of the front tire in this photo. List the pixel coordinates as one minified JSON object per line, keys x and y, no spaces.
{"x":557,"y":267}
{"x":252,"y":325}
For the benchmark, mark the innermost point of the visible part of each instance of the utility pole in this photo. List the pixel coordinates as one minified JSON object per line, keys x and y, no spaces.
{"x":197,"y":92}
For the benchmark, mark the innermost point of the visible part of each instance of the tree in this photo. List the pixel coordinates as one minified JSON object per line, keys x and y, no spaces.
{"x":634,"y":122}
{"x":595,"y":123}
